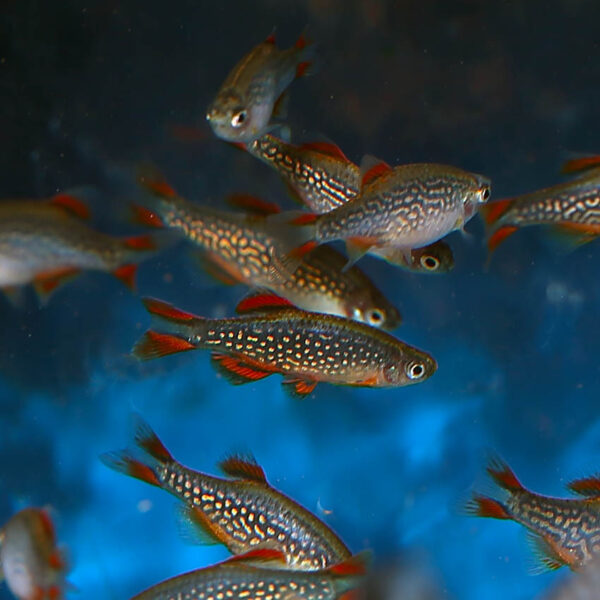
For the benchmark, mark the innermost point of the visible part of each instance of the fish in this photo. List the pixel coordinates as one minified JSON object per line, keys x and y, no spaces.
{"x":258,"y":575}
{"x":321,"y":176}
{"x":255,"y":89}
{"x":30,"y":561}
{"x":243,"y":511}
{"x":239,"y":248}
{"x":405,"y":207}
{"x":46,"y":243}
{"x":305,"y":347}
{"x":571,"y":208}
{"x":563,"y":531}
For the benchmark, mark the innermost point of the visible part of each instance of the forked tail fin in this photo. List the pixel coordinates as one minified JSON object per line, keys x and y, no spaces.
{"x":349,"y":575}
{"x":491,"y":214}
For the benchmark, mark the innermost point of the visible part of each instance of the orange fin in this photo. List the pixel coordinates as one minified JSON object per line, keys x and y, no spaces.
{"x":124,"y":463}
{"x":305,"y":219}
{"x":354,"y":566}
{"x":299,"y":388}
{"x":547,"y":558}
{"x":157,"y":186}
{"x":301,"y":251}
{"x":146,"y":439}
{"x":271,"y":39}
{"x":193,"y":526}
{"x":47,"y":282}
{"x":303,"y":69}
{"x":220,"y":269}
{"x":573,"y":235}
{"x":262,"y":301}
{"x":140,"y":242}
{"x":56,"y":560}
{"x":236,"y":371}
{"x":581,"y":164}
{"x":587,"y":486}
{"x":499,"y":236}
{"x":72,"y":205}
{"x":494,"y":210}
{"x":482,"y":506}
{"x":357,"y":247}
{"x":145,"y":216}
{"x":47,"y":524}
{"x":328,"y":148}
{"x":156,"y":345}
{"x":253,"y":205}
{"x":126,"y":274}
{"x":259,"y":555}
{"x":167,"y":311}
{"x":503,"y":475}
{"x":372,"y":169}
{"x":243,"y":468}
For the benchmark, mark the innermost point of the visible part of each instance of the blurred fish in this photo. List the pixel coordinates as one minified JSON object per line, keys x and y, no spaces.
{"x":563,"y":531}
{"x":583,"y":585}
{"x":406,"y":207}
{"x":242,"y":578}
{"x":323,"y":178}
{"x":305,"y":347}
{"x":249,"y":249}
{"x":254,"y":90}
{"x":31,"y":563}
{"x":46,"y":243}
{"x":572,"y":208}
{"x":243,"y":512}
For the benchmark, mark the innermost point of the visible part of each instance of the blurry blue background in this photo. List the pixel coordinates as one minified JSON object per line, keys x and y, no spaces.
{"x":90,"y":89}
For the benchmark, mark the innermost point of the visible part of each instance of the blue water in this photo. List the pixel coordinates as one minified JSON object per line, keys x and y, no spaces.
{"x":89,"y":90}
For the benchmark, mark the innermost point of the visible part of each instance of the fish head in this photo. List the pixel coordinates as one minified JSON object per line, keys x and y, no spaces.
{"x":477,"y":193}
{"x":435,"y":258}
{"x":233,"y":119}
{"x":413,"y":366}
{"x":373,"y":309}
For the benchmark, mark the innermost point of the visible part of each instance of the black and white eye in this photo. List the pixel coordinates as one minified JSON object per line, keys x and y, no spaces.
{"x":485,"y":193}
{"x":430,"y":263}
{"x":375,"y":317}
{"x":415,"y":370}
{"x":239,"y":118}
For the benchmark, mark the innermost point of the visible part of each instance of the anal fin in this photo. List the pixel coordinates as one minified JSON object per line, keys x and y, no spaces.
{"x":237,"y":371}
{"x":219,"y":269}
{"x":546,"y":556}
{"x":193,"y":526}
{"x":49,"y":281}
{"x":299,"y":388}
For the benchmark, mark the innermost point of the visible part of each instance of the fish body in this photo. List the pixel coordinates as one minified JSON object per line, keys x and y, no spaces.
{"x":572,"y":207}
{"x":242,"y":578}
{"x":31,"y":563}
{"x":305,"y":347}
{"x":243,"y":512}
{"x":323,"y":178}
{"x":565,"y":531}
{"x":41,"y":243}
{"x":243,"y":107}
{"x":248,"y":249}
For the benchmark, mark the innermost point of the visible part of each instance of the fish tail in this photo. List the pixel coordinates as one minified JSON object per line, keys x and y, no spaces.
{"x":494,"y":210}
{"x":491,"y":215}
{"x":576,"y":165}
{"x":504,"y":476}
{"x":483,"y":506}
{"x":124,"y":462}
{"x":160,"y":200}
{"x":349,"y":573}
{"x":178,"y":327}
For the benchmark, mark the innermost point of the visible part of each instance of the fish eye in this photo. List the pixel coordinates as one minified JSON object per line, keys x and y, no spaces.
{"x":431,"y":263}
{"x":375,"y":317}
{"x":415,"y":370}
{"x":485,"y":193}
{"x":239,"y":118}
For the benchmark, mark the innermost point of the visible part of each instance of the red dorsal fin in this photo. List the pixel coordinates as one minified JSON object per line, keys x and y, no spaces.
{"x":581,"y":164}
{"x":494,"y":210}
{"x":504,"y":476}
{"x":47,"y":282}
{"x":126,"y":274}
{"x":72,"y":205}
{"x":299,"y":388}
{"x":144,"y":216}
{"x":243,"y":468}
{"x":371,"y":169}
{"x":124,"y":463}
{"x":587,"y":486}
{"x":237,"y":371}
{"x":167,"y":311}
{"x":259,"y":555}
{"x":482,"y":506}
{"x":328,"y":148}
{"x":262,"y":301}
{"x":156,"y":345}
{"x":253,"y":205}
{"x":499,"y":236}
{"x":354,"y":566}
{"x":140,"y":242}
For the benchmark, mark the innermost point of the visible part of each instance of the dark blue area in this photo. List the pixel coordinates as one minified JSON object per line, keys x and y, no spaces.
{"x":90,"y":90}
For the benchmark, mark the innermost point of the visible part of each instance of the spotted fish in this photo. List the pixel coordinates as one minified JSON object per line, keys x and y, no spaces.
{"x":572,"y":208}
{"x":46,"y":243}
{"x":251,"y":577}
{"x":564,"y":531}
{"x":254,"y":89}
{"x":248,"y":249}
{"x":243,"y":512}
{"x":30,"y":561}
{"x":407,"y":207}
{"x":307,"y":348}
{"x":323,"y":178}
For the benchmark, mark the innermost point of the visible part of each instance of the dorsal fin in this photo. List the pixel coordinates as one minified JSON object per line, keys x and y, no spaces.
{"x":371,"y":169}
{"x":243,"y":468}
{"x":259,"y":555}
{"x":586,"y":486}
{"x":576,"y":165}
{"x":252,"y":204}
{"x":74,"y":206}
{"x":328,"y":148}
{"x":262,"y":301}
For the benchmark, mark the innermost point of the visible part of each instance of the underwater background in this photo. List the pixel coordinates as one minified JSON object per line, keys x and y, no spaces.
{"x":89,"y":90}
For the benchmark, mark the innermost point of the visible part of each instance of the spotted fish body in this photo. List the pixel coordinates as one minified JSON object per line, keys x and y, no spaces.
{"x":248,"y":249}
{"x":573,"y":207}
{"x":42,"y":242}
{"x":323,"y":178}
{"x":305,"y":347}
{"x":566,"y":531}
{"x":242,"y":109}
{"x":243,"y":512}
{"x":242,"y":579}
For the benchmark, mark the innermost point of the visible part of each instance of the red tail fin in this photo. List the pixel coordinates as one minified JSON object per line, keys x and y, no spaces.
{"x":123,"y":462}
{"x":72,"y":205}
{"x":504,"y":476}
{"x":156,"y":345}
{"x":499,"y":236}
{"x":145,"y":438}
{"x":581,"y":164}
{"x":494,"y":210}
{"x":353,"y":566}
{"x":482,"y":506}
